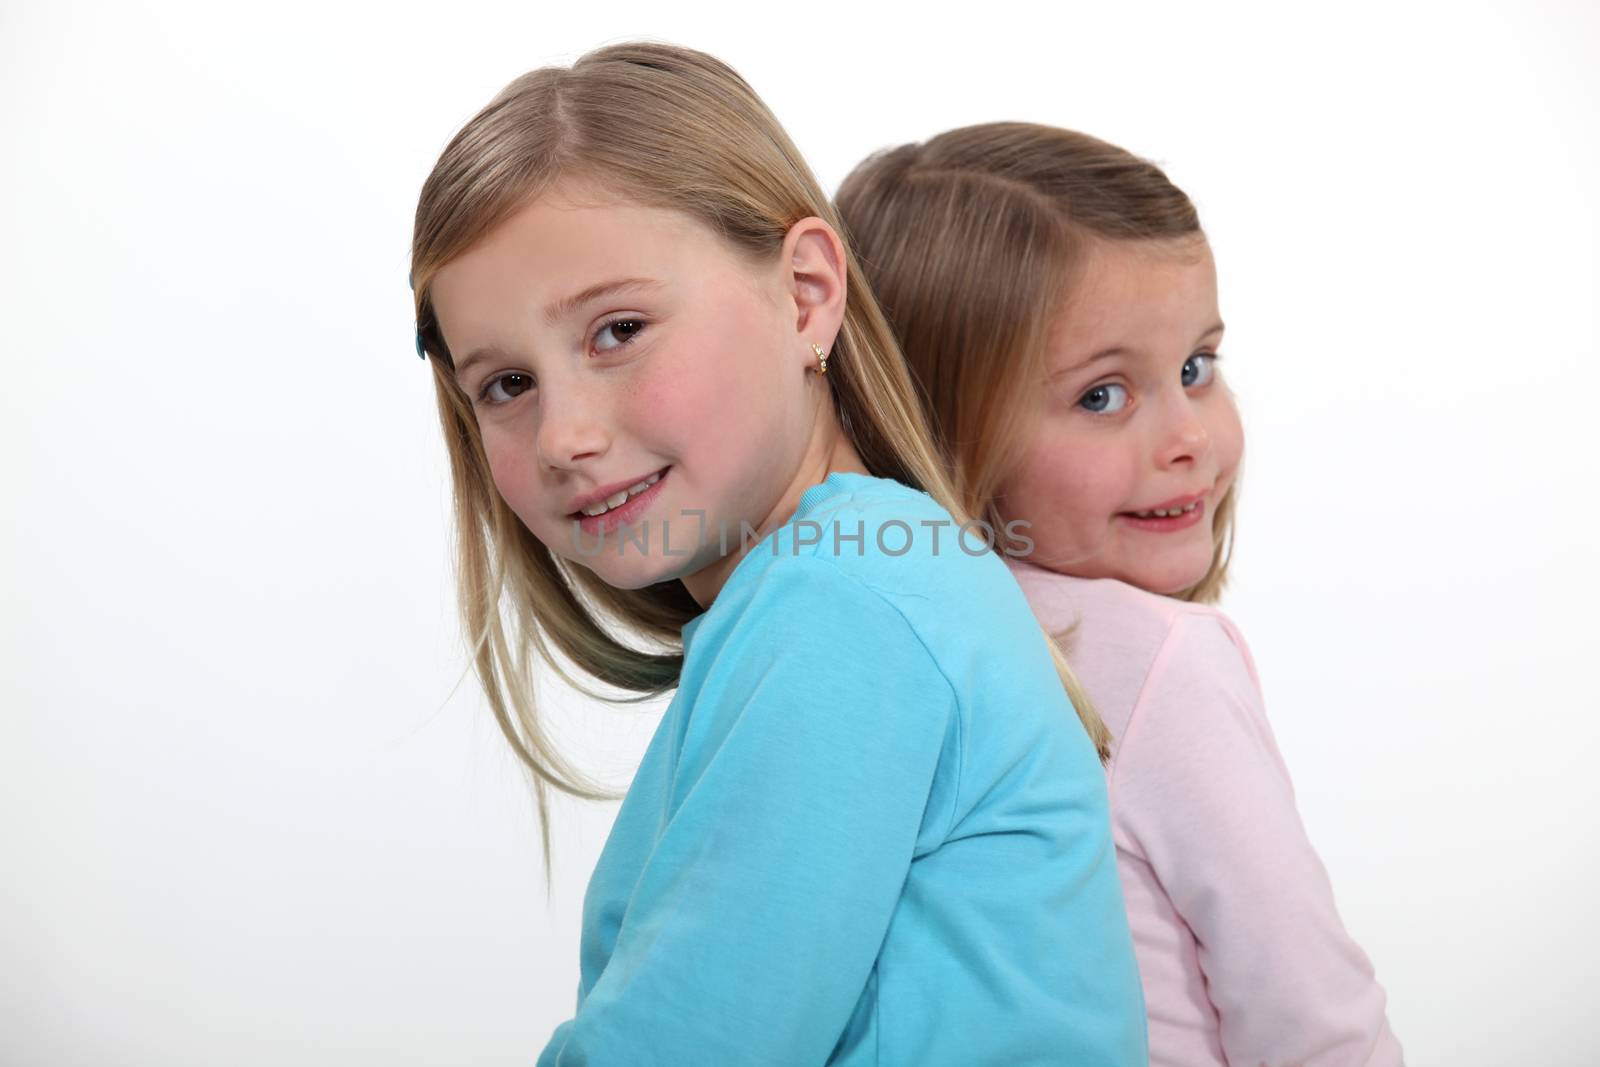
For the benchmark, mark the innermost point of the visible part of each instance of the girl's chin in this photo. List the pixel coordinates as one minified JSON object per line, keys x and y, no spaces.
{"x":633,"y":569}
{"x":1167,"y":581}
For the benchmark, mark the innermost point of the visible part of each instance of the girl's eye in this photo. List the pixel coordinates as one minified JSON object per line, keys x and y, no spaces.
{"x":1103,"y":399}
{"x":609,"y":338}
{"x":1199,"y":369}
{"x":510,"y":385}
{"x":621,"y":332}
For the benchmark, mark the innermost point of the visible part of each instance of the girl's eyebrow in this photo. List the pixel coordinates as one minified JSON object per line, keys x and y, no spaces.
{"x":483,"y":352}
{"x":1104,"y":353}
{"x":566,"y":305}
{"x":555,"y":312}
{"x":1121,"y":350}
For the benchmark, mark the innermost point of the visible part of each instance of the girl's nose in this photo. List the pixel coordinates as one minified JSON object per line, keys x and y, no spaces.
{"x":572,"y":428}
{"x":1184,"y":438}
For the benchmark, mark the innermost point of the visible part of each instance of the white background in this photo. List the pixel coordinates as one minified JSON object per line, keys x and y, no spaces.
{"x":248,"y":816}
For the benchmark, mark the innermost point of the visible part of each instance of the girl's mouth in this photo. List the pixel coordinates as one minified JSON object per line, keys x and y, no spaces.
{"x":1165,"y":520}
{"x":625,"y":507}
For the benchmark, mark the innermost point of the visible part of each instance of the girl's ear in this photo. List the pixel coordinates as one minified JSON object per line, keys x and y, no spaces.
{"x":815,"y":275}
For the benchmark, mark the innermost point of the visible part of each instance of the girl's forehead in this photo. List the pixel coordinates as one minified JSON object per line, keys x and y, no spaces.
{"x":1137,"y":297}
{"x":569,"y":255}
{"x":563,"y":241}
{"x":1129,"y":281}
{"x":562,"y":227}
{"x":1121,"y":270}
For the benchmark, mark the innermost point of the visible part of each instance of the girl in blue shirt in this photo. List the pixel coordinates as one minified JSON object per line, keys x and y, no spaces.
{"x":869,"y":828}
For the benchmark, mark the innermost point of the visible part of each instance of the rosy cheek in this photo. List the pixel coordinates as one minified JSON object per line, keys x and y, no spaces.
{"x":515,"y":474}
{"x":1078,"y":466}
{"x":1054,"y":478}
{"x":667,"y":407}
{"x":1228,"y":439}
{"x":685,"y":390}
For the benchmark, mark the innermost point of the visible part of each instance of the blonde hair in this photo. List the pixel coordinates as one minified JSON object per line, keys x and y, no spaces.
{"x":970,"y":240}
{"x":666,"y":127}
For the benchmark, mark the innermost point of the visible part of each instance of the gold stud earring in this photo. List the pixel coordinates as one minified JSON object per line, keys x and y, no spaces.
{"x":822,"y":356}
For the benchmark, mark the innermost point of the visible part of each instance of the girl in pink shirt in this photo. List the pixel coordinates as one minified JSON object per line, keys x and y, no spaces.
{"x":1057,"y":299}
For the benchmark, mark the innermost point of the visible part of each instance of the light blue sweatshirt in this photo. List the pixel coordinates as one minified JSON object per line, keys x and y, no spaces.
{"x":869,"y":829}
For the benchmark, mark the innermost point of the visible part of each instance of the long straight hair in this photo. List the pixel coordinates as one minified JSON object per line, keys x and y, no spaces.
{"x":971,"y":241}
{"x":666,"y":127}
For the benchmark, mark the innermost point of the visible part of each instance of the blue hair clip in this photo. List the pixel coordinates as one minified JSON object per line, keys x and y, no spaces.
{"x":411,"y":281}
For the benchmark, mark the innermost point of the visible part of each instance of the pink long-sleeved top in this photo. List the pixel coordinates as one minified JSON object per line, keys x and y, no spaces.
{"x":1243,"y":957}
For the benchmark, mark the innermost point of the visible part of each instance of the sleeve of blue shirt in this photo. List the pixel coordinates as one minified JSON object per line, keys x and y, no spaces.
{"x":802,"y":785}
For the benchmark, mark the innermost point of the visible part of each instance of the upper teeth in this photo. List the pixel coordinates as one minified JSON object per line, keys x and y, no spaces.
{"x":1166,"y":513}
{"x":616,"y":500}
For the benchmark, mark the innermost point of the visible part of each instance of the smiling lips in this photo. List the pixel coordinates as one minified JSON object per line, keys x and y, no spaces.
{"x":1174,"y":515}
{"x":1178,"y":505}
{"x":602,"y":504}
{"x":1165,"y":513}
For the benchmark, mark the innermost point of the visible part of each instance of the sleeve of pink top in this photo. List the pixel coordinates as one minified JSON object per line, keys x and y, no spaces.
{"x":1205,"y":794}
